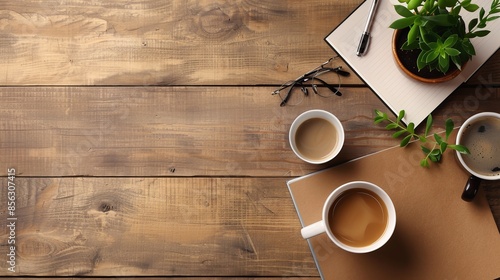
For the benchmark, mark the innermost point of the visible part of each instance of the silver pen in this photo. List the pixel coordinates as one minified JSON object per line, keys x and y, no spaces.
{"x":365,"y":37}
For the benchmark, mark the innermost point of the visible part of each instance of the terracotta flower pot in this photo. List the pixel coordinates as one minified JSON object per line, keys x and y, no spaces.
{"x":407,"y":62}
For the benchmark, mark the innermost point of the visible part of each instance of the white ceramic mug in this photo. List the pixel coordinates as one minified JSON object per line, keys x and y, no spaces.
{"x":472,"y":185}
{"x":321,"y":114}
{"x":323,"y":225}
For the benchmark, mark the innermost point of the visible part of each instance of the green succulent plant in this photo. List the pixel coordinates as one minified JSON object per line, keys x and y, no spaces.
{"x":439,"y":31}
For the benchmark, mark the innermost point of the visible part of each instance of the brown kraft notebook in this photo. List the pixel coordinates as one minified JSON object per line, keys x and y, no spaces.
{"x":437,"y":235}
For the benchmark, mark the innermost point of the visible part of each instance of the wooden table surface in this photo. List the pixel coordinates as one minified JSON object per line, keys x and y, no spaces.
{"x":146,"y":141}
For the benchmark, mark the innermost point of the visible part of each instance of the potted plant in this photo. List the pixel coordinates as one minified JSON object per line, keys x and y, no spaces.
{"x":432,"y":40}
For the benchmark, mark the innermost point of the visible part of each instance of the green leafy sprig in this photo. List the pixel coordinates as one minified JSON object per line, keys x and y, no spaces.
{"x":433,"y":148}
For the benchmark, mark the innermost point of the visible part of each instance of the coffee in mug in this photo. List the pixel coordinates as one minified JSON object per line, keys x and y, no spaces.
{"x":482,"y":138}
{"x":316,"y":136}
{"x":358,"y":217}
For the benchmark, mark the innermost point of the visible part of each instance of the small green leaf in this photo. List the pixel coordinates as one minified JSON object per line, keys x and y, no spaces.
{"x":413,"y":4}
{"x":401,"y":115}
{"x":470,"y":35}
{"x":432,"y":56}
{"x":411,"y":128}
{"x":391,"y":126}
{"x":473,"y":24}
{"x":428,"y":125}
{"x":405,"y":141}
{"x":451,"y":3}
{"x":378,"y":119}
{"x":435,"y":155}
{"x":418,"y":20}
{"x":434,"y":45}
{"x":471,"y":7}
{"x":422,"y":59}
{"x":433,"y":158}
{"x":449,"y":127}
{"x":423,"y":46}
{"x":492,"y":18}
{"x":450,"y":41}
{"x":428,"y":5}
{"x":459,"y":148}
{"x":444,"y":63}
{"x":456,"y":60}
{"x":398,"y":133}
{"x":413,"y":34}
{"x":425,"y":149}
{"x":381,"y":114}
{"x":438,"y":157}
{"x":442,"y":53}
{"x":481,"y":33}
{"x":409,"y":47}
{"x":435,"y":152}
{"x":461,"y":28}
{"x":443,"y":146}
{"x":402,"y":22}
{"x":438,"y":138}
{"x":468,"y":47}
{"x":424,"y":163}
{"x":403,"y":11}
{"x":442,"y":19}
{"x":456,"y":11}
{"x":452,"y":52}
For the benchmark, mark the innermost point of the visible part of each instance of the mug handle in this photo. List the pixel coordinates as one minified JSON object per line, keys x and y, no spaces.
{"x":313,"y":229}
{"x":471,"y":188}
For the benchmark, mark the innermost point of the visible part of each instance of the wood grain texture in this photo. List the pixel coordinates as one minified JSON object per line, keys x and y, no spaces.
{"x":150,"y":42}
{"x":147,"y":143}
{"x":185,"y":131}
{"x":153,"y":42}
{"x":144,"y":131}
{"x":156,"y":226}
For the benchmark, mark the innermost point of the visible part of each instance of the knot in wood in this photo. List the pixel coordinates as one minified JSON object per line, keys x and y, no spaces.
{"x":106,"y":207}
{"x":216,"y":23}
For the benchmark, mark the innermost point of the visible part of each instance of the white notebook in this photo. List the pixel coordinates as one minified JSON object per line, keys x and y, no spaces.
{"x":379,"y":71}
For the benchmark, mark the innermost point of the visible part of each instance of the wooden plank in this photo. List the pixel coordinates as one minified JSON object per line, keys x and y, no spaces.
{"x":144,"y":131}
{"x":178,"y":42}
{"x":489,"y":73}
{"x":152,"y":42}
{"x":155,"y":227}
{"x":185,"y":131}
